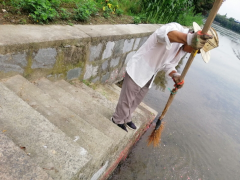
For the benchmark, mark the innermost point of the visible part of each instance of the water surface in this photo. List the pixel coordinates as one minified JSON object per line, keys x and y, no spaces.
{"x":201,"y":140}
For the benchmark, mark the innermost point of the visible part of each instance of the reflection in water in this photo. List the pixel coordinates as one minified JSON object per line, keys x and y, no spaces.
{"x":160,"y":80}
{"x":236,"y":49}
{"x":201,"y":140}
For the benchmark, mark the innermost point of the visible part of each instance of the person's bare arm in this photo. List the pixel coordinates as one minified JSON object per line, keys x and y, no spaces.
{"x":176,"y":36}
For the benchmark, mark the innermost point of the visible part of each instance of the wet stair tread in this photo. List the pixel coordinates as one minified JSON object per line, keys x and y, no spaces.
{"x":84,"y":109}
{"x":48,"y":146}
{"x":70,"y":123}
{"x":24,"y":167}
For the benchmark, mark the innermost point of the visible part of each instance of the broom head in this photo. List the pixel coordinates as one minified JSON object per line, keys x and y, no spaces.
{"x":155,"y":136}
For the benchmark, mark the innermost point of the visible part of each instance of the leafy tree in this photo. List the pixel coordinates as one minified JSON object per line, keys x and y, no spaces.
{"x":203,"y":6}
{"x":228,"y":23}
{"x":231,"y":19}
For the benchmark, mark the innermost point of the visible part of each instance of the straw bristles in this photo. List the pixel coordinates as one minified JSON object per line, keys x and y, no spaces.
{"x":155,"y":137}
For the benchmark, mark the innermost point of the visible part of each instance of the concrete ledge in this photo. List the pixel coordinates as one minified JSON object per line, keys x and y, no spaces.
{"x":23,"y":34}
{"x":18,"y":35}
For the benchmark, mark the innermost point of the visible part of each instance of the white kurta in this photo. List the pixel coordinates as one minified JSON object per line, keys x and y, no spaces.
{"x":156,"y":54}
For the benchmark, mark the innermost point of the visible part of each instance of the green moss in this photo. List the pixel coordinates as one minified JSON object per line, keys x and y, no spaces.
{"x":59,"y":66}
{"x":28,"y":70}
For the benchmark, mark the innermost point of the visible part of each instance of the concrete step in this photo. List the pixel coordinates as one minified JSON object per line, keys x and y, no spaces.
{"x":24,"y":167}
{"x":70,"y":123}
{"x":82,"y":104}
{"x":46,"y":145}
{"x":85,"y":98}
{"x":121,"y":138}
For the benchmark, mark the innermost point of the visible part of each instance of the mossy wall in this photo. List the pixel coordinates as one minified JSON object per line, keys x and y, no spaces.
{"x":98,"y":59}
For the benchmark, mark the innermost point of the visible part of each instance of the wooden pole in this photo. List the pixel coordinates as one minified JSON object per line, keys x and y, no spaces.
{"x":217,"y":4}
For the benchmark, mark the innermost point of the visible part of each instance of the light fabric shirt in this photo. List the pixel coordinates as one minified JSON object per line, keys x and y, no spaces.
{"x":156,"y":54}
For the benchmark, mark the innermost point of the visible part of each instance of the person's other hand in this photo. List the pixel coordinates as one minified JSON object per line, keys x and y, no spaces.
{"x":176,"y":78}
{"x":197,"y":40}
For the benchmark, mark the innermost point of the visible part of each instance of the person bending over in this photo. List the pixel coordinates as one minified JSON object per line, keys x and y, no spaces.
{"x":162,"y":51}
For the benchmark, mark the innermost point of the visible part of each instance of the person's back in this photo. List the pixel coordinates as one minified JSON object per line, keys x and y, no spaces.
{"x":156,"y":54}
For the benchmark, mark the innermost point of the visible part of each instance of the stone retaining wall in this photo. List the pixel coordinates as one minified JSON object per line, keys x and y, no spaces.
{"x":95,"y":53}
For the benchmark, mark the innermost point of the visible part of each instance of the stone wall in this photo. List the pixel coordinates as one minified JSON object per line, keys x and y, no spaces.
{"x":97,"y":53}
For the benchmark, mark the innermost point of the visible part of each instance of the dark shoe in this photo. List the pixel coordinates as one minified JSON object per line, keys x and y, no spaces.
{"x":120,"y":125}
{"x":131,"y":125}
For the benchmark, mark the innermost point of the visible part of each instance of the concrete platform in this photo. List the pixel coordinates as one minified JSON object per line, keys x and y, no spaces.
{"x":64,"y":130}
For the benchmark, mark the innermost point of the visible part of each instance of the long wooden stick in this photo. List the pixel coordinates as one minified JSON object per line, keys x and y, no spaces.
{"x":155,"y":136}
{"x":173,"y":93}
{"x":217,"y":4}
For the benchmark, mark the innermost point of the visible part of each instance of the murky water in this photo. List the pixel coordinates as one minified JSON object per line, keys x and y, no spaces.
{"x":201,"y":140}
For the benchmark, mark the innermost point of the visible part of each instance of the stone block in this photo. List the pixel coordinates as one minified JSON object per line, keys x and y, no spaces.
{"x":105,"y":77}
{"x":128,"y":45}
{"x":74,"y":73}
{"x":121,"y":73}
{"x":45,"y":58}
{"x":118,"y":48}
{"x":136,"y":43}
{"x":4,"y":58}
{"x":73,"y":54}
{"x":114,"y":62}
{"x":108,"y":50}
{"x":11,"y":68}
{"x":20,"y":59}
{"x":95,"y":52}
{"x":91,"y":71}
{"x":13,"y":63}
{"x":104,"y":65}
{"x":113,"y":76}
{"x":143,"y":40}
{"x":129,"y":56}
{"x":95,"y":80}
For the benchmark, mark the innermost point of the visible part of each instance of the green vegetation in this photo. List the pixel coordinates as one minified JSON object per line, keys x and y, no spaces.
{"x":181,"y":11}
{"x":138,"y":11}
{"x":203,"y":6}
{"x":64,"y":14}
{"x":85,"y":10}
{"x":228,"y":22}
